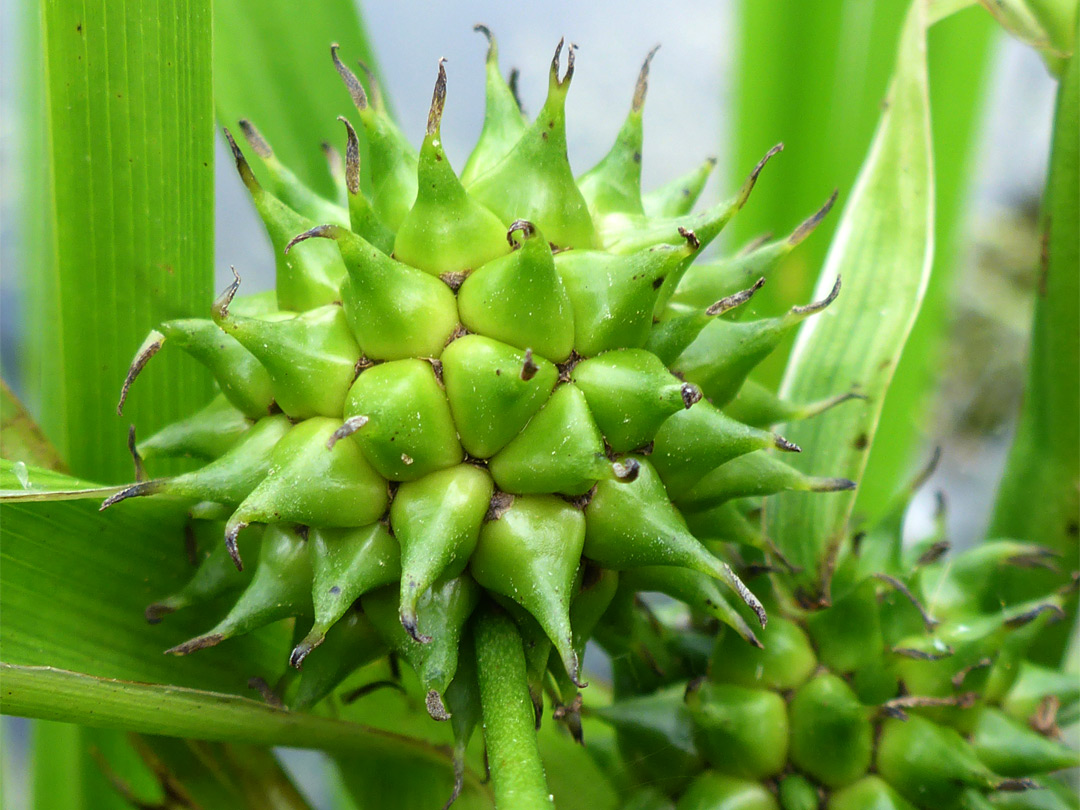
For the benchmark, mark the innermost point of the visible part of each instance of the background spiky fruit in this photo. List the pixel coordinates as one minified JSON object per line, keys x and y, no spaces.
{"x":910,"y":688}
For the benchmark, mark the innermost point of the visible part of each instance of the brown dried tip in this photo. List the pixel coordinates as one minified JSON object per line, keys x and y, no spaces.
{"x":352,"y":84}
{"x":754,"y":244}
{"x":302,"y":650}
{"x":151,"y":346}
{"x":140,"y":470}
{"x":435,"y":706}
{"x":196,"y":644}
{"x":748,"y":184}
{"x":255,"y":139}
{"x":459,"y":779}
{"x":808,"y":226}
{"x":783,"y":444}
{"x":922,"y":655}
{"x":961,"y":676}
{"x":318,"y":232}
{"x":691,"y":394}
{"x":1016,"y":785}
{"x":352,"y":159}
{"x":375,"y":96}
{"x":368,"y":688}
{"x":334,"y":163}
{"x":219,"y":311}
{"x":134,"y":491}
{"x":1031,"y":615}
{"x":933,"y":554}
{"x":231,"y":535}
{"x":529,"y":367}
{"x":817,"y":306}
{"x":554,"y":78}
{"x":266,"y":692}
{"x":155,"y":612}
{"x":642,"y":86}
{"x":832,"y":485}
{"x":896,"y":707}
{"x":744,"y":593}
{"x":626,"y":470}
{"x":438,"y":100}
{"x":350,"y":426}
{"x":242,"y":165}
{"x":512,"y":83}
{"x":522,"y":226}
{"x":500,"y":503}
{"x":735,"y":299}
{"x":412,"y":626}
{"x":574,"y":672}
{"x":493,"y":48}
{"x":690,"y":237}
{"x":929,"y":622}
{"x":1036,"y":557}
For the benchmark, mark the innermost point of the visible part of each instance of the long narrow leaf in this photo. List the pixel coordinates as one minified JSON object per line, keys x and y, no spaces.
{"x":811,"y":75}
{"x":883,"y":251}
{"x":131,"y":153}
{"x":958,"y":51}
{"x":74,"y":584}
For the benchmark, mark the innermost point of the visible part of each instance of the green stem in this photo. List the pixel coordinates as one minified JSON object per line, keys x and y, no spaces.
{"x":1038,"y":498}
{"x":517,"y":772}
{"x":56,"y":694}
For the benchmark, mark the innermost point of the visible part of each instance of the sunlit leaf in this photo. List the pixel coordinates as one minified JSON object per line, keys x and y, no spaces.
{"x":131,"y":157}
{"x":883,"y":251}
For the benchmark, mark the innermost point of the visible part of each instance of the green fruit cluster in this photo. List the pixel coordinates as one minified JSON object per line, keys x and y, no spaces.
{"x":510,"y":398}
{"x":909,"y":689}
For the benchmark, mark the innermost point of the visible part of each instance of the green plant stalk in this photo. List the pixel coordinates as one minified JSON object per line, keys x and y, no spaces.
{"x":517,"y":772}
{"x":131,"y":214}
{"x":56,"y":694}
{"x":1038,"y":498}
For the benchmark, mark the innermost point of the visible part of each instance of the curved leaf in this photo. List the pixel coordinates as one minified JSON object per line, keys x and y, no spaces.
{"x":883,"y":250}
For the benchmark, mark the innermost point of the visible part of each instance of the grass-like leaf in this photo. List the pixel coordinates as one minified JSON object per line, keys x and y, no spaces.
{"x":811,"y":75}
{"x":74,"y":583}
{"x":958,"y":51}
{"x":883,"y":251}
{"x":131,"y":207}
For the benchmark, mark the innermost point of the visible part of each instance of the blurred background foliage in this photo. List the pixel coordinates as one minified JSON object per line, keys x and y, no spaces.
{"x":732,"y":79}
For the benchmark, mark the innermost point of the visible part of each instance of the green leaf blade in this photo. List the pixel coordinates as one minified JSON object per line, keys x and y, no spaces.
{"x":883,"y":250}
{"x":131,"y":208}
